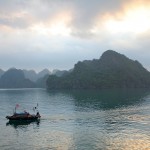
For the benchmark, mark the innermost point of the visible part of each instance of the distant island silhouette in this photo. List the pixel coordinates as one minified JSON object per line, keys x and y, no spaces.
{"x":17,"y":78}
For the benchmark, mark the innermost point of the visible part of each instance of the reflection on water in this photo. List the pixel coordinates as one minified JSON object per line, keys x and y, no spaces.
{"x":20,"y":124}
{"x":106,"y":99}
{"x":78,"y":120}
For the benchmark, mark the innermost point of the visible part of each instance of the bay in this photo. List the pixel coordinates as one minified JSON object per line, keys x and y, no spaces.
{"x":117,"y":119}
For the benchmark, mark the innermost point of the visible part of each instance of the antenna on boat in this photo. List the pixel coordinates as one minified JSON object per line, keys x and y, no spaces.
{"x":36,"y":108}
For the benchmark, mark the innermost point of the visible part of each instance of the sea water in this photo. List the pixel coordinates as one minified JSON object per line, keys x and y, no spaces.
{"x":117,"y":119}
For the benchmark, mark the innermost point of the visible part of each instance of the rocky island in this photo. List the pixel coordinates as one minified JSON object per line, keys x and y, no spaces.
{"x":111,"y":70}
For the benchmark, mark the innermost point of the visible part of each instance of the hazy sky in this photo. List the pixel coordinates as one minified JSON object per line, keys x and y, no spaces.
{"x":55,"y":34}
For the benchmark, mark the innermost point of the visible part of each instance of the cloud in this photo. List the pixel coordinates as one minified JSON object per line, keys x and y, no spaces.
{"x":83,"y":13}
{"x":58,"y":33}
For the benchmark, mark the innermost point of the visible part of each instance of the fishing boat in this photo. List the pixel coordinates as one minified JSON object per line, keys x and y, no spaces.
{"x":24,"y":116}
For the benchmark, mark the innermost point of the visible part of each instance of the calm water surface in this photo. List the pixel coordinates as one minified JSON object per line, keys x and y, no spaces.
{"x":77,"y":120}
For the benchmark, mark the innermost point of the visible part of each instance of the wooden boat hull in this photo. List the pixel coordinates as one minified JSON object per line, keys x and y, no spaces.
{"x":20,"y":123}
{"x":22,"y":118}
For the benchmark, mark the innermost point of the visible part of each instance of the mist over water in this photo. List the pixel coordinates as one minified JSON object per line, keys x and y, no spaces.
{"x":77,"y":119}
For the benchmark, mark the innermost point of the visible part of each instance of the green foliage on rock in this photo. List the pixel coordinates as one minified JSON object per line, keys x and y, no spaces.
{"x":112,"y":70}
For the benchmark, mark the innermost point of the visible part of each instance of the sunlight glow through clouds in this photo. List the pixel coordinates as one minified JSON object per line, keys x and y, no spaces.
{"x":54,"y":29}
{"x":57,"y":25}
{"x":135,"y":21}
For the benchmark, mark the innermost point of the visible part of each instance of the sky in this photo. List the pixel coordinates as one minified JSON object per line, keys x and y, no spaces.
{"x":56,"y":34}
